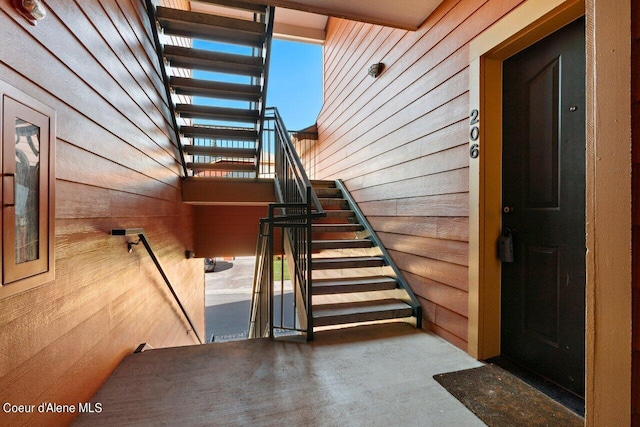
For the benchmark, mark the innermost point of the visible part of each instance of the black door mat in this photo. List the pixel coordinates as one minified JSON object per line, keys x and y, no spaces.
{"x":500,"y":399}
{"x":566,"y":398}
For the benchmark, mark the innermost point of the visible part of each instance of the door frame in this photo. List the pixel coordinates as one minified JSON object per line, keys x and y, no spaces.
{"x":608,"y":182}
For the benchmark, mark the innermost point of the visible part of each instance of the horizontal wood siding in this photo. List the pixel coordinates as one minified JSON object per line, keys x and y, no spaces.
{"x":635,"y":129}
{"x":117,"y":166}
{"x":400,"y":143}
{"x":228,"y":230}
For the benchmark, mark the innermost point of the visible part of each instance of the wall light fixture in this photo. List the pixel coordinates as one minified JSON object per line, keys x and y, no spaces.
{"x":375,"y":69}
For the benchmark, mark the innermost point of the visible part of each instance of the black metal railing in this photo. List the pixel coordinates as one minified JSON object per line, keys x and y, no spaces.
{"x":297,"y":206}
{"x":266,"y":54}
{"x":143,"y":238}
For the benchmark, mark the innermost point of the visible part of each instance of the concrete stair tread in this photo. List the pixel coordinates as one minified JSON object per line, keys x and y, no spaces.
{"x":341,"y":243}
{"x":353,"y":284}
{"x":339,"y":213}
{"x":315,"y":183}
{"x":346,"y":262}
{"x":333,"y":201}
{"x":327,"y":228}
{"x":328,"y":192}
{"x":361,"y":311}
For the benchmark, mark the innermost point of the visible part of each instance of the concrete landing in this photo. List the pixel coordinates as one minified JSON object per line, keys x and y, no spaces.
{"x":378,"y":375}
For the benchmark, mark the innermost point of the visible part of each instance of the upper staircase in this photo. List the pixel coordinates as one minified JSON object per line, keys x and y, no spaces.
{"x":216,"y":73}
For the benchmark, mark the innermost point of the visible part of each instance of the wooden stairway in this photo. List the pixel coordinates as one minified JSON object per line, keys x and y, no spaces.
{"x":353,"y":281}
{"x":217,"y":82}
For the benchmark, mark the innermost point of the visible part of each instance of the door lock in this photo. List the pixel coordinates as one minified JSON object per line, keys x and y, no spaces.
{"x":505,"y":245}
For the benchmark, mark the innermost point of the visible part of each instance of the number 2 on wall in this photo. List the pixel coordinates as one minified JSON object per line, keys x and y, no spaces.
{"x":474,"y":134}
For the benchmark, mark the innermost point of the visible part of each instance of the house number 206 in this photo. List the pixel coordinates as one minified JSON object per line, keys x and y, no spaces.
{"x":474,"y":134}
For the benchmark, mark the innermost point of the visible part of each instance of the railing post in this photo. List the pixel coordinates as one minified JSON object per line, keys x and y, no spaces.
{"x":270,"y":269}
{"x":309,"y":292}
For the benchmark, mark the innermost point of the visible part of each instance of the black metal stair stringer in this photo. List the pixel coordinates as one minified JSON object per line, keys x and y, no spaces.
{"x":416,"y":307}
{"x":151,"y":12}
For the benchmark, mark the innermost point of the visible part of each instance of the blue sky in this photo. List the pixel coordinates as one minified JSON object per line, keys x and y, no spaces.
{"x":295,"y":80}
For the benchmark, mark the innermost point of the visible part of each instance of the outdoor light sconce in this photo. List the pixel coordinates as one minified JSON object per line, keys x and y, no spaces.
{"x":376,"y":69}
{"x":32,"y":10}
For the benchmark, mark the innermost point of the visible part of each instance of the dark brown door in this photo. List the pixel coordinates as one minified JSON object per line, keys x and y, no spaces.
{"x":543,"y":289}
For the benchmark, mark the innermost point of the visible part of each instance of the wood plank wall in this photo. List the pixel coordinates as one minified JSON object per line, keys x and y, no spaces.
{"x":224,"y":231}
{"x":93,"y":61}
{"x":400,"y":144}
{"x":635,"y":134}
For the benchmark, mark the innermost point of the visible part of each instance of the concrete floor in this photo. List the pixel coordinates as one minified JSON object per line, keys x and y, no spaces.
{"x":380,"y":375}
{"x":228,"y":300}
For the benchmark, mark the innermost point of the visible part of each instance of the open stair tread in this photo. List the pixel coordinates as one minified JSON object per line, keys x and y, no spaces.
{"x":237,"y":4}
{"x":214,"y":89}
{"x":361,"y":311}
{"x":219,"y":133}
{"x":201,"y":150}
{"x":193,"y":111}
{"x":223,"y":165}
{"x":353,"y":284}
{"x":206,"y":60}
{"x":210,"y":27}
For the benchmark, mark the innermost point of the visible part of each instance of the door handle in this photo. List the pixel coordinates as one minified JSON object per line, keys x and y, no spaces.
{"x":505,"y":245}
{"x":8,"y":189}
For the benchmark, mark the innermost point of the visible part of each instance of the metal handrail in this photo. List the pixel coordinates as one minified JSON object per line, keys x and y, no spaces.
{"x":284,"y":145}
{"x":143,"y":238}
